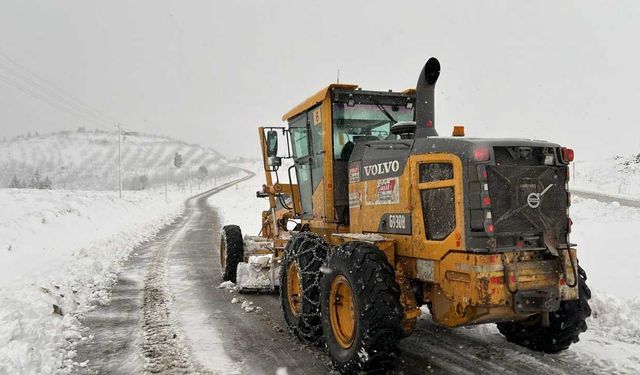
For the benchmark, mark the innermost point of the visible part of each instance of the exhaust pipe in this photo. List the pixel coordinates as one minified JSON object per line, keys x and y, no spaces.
{"x":425,"y":116}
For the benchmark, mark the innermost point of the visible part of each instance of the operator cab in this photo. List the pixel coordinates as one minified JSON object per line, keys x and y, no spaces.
{"x":350,"y":117}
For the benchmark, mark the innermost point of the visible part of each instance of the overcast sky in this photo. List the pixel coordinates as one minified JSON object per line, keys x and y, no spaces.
{"x":210,"y":72}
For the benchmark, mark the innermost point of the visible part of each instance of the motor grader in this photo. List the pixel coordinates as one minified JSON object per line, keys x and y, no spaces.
{"x":372,"y":215}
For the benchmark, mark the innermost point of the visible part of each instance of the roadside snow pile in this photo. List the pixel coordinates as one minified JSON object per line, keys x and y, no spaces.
{"x":238,"y":205}
{"x":615,"y":318}
{"x":619,"y":175}
{"x":606,"y":237}
{"x":60,"y":253}
{"x":606,"y":234}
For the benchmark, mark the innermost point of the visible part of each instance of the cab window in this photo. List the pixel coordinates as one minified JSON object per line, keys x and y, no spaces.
{"x":364,"y":122}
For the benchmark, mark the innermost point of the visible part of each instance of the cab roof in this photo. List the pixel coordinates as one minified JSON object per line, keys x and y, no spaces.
{"x":320,"y":95}
{"x":315,"y":99}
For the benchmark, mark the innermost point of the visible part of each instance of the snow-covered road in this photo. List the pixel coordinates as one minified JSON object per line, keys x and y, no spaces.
{"x":168,"y":316}
{"x":606,"y":198}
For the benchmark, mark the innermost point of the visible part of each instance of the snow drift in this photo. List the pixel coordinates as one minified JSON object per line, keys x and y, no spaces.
{"x":60,"y":253}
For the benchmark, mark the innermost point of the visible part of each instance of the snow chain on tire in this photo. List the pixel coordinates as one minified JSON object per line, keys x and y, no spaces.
{"x":308,"y":251}
{"x":565,"y":326}
{"x":233,"y":245}
{"x":377,"y":311}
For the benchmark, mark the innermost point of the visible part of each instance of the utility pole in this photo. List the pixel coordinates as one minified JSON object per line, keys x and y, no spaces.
{"x":119,"y":163}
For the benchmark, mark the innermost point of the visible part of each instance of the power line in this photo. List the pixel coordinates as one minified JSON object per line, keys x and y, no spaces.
{"x":19,"y":78}
{"x":56,"y":89}
{"x":53,"y":96}
{"x":48,"y":101}
{"x":48,"y":93}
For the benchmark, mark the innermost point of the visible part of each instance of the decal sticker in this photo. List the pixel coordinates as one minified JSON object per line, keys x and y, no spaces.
{"x":317,"y":116}
{"x":387,"y":191}
{"x":382,"y":168}
{"x":395,"y":224}
{"x":354,"y":199}
{"x":354,"y":172}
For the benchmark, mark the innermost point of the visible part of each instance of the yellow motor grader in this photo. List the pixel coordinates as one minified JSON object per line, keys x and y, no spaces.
{"x":372,"y":215}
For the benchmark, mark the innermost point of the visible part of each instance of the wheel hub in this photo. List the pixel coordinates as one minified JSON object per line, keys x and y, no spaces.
{"x":294,"y":288}
{"x":342,"y":311}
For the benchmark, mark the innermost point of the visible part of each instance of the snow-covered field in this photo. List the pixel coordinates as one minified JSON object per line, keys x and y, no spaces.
{"x":60,"y":253}
{"x":619,"y":175}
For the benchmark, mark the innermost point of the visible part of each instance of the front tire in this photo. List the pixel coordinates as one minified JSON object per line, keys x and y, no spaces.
{"x":231,"y":251}
{"x":565,"y":326}
{"x":361,"y":313}
{"x":300,"y":285}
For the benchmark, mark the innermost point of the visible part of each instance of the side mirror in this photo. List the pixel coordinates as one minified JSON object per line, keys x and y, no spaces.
{"x":272,"y":143}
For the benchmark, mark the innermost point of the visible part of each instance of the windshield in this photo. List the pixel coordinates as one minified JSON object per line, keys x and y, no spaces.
{"x":364,"y":122}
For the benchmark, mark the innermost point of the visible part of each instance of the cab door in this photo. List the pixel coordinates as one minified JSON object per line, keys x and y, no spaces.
{"x":300,"y":144}
{"x":437,"y":198}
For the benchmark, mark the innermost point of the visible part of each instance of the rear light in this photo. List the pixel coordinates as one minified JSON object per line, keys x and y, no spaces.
{"x":486,"y":200}
{"x":482,"y":172}
{"x":567,"y":155}
{"x":481,"y":154}
{"x":488,"y":227}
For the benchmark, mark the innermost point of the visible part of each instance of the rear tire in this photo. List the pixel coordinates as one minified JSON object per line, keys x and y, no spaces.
{"x":300,"y":285}
{"x":361,"y":313}
{"x":565,"y":326}
{"x":231,"y":251}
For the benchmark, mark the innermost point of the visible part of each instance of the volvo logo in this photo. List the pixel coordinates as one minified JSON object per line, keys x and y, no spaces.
{"x":534,"y":199}
{"x":382,"y":168}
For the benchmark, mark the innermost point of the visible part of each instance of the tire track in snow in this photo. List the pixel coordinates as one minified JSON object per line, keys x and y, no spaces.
{"x":137,"y":331}
{"x":163,"y":349}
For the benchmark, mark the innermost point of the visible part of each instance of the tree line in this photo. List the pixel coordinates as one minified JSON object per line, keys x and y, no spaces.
{"x":35,"y":182}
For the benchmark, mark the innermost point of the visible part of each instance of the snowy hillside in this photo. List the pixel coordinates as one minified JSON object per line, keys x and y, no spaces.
{"x":88,"y":160}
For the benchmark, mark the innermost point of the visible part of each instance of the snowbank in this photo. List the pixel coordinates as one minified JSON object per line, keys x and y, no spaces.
{"x":615,"y":318}
{"x":607,"y":247}
{"x":618,"y":175}
{"x":239,"y":205}
{"x":60,"y":253}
